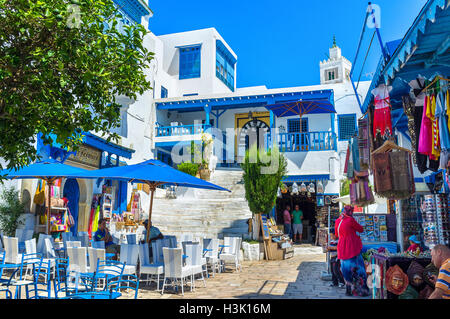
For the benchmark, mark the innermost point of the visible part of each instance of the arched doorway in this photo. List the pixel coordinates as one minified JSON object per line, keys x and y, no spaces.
{"x":253,"y":132}
{"x":72,"y":193}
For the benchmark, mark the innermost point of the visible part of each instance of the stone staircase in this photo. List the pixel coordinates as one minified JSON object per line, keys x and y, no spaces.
{"x":208,"y":213}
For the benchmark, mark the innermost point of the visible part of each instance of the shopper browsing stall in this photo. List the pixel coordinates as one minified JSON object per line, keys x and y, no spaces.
{"x":349,"y":252}
{"x":102,"y":234}
{"x":440,"y":257}
{"x":414,"y":245}
{"x":287,"y":221}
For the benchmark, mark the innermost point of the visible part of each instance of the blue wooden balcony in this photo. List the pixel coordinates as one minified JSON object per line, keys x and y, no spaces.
{"x":304,"y":142}
{"x":181,"y":130}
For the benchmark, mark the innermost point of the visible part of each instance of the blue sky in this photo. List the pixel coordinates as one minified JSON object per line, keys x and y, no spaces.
{"x":280,"y":43}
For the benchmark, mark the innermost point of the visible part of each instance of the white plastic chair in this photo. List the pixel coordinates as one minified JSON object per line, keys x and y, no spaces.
{"x":73,"y":244}
{"x":129,"y":255}
{"x":77,"y":259}
{"x":131,"y":239}
{"x":12,"y":255}
{"x":230,"y":252}
{"x":157,"y":250}
{"x":212,"y":254}
{"x":98,"y":244}
{"x":83,"y":237}
{"x":173,"y":267}
{"x":147,"y":268}
{"x":95,"y":254}
{"x":194,"y":261}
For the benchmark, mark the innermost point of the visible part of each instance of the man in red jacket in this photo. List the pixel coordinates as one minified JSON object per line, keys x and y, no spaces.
{"x":349,"y":252}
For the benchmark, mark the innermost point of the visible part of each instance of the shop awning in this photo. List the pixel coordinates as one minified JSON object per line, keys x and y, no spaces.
{"x":315,"y":102}
{"x":305,"y":178}
{"x":424,"y":51}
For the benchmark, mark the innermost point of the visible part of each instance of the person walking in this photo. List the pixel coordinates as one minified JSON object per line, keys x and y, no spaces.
{"x":349,"y":253}
{"x":297,"y":226}
{"x":287,"y":221}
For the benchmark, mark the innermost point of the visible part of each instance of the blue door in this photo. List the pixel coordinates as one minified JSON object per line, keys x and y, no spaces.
{"x":72,"y":193}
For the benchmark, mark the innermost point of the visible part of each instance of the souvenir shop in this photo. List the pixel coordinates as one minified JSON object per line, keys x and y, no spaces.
{"x":409,"y":141}
{"x":308,"y":194}
{"x":78,"y":204}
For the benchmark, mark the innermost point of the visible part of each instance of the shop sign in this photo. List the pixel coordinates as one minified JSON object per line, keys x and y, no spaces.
{"x":87,"y":155}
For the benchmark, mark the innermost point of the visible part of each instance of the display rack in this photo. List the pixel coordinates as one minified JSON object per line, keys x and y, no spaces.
{"x":58,"y":228}
{"x":108,"y":203}
{"x":411,"y":219}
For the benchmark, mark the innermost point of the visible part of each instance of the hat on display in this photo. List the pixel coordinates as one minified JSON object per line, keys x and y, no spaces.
{"x":414,"y":239}
{"x":396,"y":280}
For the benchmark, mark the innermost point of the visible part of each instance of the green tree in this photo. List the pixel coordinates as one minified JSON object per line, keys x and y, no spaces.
{"x":63,"y":63}
{"x":10,"y":210}
{"x":263,"y":172}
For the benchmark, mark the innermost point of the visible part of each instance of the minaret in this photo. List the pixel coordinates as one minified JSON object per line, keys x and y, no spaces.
{"x":337,"y":68}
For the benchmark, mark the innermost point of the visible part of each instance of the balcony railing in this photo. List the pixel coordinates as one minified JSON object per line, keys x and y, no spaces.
{"x":305,"y":142}
{"x":181,"y":130}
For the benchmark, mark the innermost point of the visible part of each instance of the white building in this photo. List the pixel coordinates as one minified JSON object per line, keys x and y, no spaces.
{"x":195,"y":85}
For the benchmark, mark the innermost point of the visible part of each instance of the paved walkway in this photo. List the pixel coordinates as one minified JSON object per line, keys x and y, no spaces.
{"x":294,"y":278}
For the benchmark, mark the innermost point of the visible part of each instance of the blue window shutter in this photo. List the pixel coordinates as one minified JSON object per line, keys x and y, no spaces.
{"x":164,"y":92}
{"x":346,"y":126}
{"x":190,"y":62}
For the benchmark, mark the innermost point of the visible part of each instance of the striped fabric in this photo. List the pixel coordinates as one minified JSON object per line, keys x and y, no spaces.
{"x":443,"y":281}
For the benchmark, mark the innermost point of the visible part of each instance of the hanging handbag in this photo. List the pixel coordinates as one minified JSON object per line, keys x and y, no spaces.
{"x":39,"y":196}
{"x":70,"y":220}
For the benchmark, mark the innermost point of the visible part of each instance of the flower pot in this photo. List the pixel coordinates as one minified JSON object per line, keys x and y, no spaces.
{"x":205,"y":174}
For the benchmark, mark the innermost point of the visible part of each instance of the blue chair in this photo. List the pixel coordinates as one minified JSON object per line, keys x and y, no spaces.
{"x":108,"y":270}
{"x":132,"y":282}
{"x":41,"y":287}
{"x":131,"y":239}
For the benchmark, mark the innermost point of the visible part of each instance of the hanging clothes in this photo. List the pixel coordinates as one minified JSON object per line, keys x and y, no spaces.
{"x":436,"y":149}
{"x":382,"y":172}
{"x":425,"y":138}
{"x":382,"y":123}
{"x":363,"y":143}
{"x":444,"y":135}
{"x":355,"y":154}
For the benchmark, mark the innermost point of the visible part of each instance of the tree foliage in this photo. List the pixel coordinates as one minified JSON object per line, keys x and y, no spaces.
{"x":10,"y":210}
{"x":263,"y":173}
{"x":63,"y":63}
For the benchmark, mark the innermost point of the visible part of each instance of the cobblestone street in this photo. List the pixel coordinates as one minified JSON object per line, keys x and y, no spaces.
{"x":294,"y":278}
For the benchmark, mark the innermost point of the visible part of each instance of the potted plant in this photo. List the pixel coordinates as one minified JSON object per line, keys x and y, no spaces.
{"x":204,"y":171}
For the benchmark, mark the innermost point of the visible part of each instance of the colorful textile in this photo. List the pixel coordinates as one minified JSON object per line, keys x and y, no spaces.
{"x":382,"y":172}
{"x":349,"y":244}
{"x":382,"y":116}
{"x":425,"y":137}
{"x":96,"y":217}
{"x":436,"y":149}
{"x":400,"y":171}
{"x":443,"y":280}
{"x":354,"y":273}
{"x":363,"y":143}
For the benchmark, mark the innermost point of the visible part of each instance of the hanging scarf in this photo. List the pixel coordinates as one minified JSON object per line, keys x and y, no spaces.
{"x":382,"y":172}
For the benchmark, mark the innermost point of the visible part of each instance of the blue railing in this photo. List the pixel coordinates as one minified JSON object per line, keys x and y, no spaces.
{"x":304,"y":142}
{"x":181,"y":130}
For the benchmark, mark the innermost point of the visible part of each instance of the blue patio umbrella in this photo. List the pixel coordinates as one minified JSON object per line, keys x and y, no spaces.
{"x":49,"y":171}
{"x":153,"y":173}
{"x":314,"y":102}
